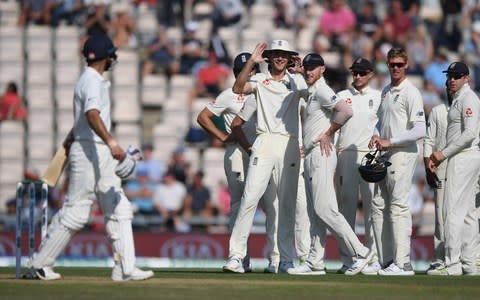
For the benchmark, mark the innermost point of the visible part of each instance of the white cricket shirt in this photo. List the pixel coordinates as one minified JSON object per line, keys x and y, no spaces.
{"x":91,"y":92}
{"x":401,"y":106}
{"x":436,"y":138}
{"x":228,"y":104}
{"x":318,"y":113}
{"x":356,"y":133}
{"x":463,"y":122}
{"x":276,"y":103}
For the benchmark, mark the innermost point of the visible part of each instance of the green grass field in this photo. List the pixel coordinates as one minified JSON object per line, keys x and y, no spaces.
{"x":199,"y":284}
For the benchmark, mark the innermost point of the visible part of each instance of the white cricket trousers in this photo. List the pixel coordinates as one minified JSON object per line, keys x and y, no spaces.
{"x":349,"y":186}
{"x":319,"y":175}
{"x":236,"y":166}
{"x":391,"y":217}
{"x":439,"y":233}
{"x":302,"y":220}
{"x":277,"y":155}
{"x":461,"y":220}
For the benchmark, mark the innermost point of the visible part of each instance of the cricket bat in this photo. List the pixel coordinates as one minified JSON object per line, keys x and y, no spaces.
{"x":55,"y":167}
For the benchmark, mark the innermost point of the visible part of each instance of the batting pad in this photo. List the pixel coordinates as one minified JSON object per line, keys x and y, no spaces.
{"x":121,"y":236}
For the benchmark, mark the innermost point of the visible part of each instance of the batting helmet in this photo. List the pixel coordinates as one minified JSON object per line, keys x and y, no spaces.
{"x":374,"y":166}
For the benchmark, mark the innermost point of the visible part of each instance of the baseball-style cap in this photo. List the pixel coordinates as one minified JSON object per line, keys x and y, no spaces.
{"x":313,"y":60}
{"x":240,"y":61}
{"x":457,"y":68}
{"x":98,"y":47}
{"x":361,"y":64}
{"x":279,"y":45}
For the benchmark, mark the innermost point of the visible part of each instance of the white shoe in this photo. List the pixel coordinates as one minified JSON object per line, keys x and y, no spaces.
{"x":394,"y":270}
{"x":372,"y":268}
{"x":455,"y":270}
{"x":360,"y":263}
{"x":47,"y":273}
{"x":285,"y":266}
{"x":137,"y":274}
{"x":272,"y":268}
{"x":306,"y":270}
{"x":234,"y":265}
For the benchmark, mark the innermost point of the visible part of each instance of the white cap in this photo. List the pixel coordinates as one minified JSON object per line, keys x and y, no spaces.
{"x":281,"y":45}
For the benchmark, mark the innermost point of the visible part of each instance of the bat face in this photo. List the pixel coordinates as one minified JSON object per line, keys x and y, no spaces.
{"x":55,"y":167}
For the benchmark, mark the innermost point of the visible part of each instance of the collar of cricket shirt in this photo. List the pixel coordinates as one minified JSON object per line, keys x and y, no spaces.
{"x":96,"y":74}
{"x":461,"y":91}
{"x":365,"y":90}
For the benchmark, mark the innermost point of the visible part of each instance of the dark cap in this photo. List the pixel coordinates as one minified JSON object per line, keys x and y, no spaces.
{"x":313,"y":60}
{"x":240,"y":61}
{"x":98,"y":47}
{"x":457,"y":68}
{"x":361,"y":64}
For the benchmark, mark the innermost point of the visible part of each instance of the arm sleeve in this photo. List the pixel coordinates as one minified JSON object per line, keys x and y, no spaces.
{"x":429,"y":141}
{"x":415,"y":133}
{"x":92,"y":96}
{"x":343,"y":112}
{"x":248,"y":109}
{"x":470,"y":113}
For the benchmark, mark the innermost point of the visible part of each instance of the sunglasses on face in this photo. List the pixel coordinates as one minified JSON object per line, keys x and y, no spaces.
{"x":455,"y":76}
{"x":396,"y":65}
{"x":359,"y":73}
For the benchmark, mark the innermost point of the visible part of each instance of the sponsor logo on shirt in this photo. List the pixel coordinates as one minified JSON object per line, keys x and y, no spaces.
{"x":420,"y":113}
{"x":396,"y":98}
{"x":334,"y":97}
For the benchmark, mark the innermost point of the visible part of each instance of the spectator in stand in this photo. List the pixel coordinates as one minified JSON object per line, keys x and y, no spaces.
{"x":367,"y":20}
{"x":400,"y":22}
{"x":123,"y":27}
{"x":198,"y":200}
{"x":434,"y":74}
{"x":192,"y":50}
{"x":11,"y":106}
{"x":171,"y":12}
{"x":210,"y":80}
{"x":98,"y":20}
{"x":450,"y":34}
{"x":69,"y":10}
{"x":179,"y":165}
{"x":140,"y":191}
{"x":33,"y":11}
{"x":161,"y":55}
{"x":472,"y":53}
{"x":225,"y":13}
{"x":337,"y":23}
{"x":155,"y":167}
{"x":420,"y":49}
{"x":224,"y":198}
{"x":168,"y":200}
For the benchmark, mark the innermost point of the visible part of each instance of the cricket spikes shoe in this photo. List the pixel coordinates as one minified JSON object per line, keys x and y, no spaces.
{"x":455,"y":270}
{"x":360,"y":264}
{"x":271,"y":268}
{"x":285,"y":266}
{"x":47,"y":273}
{"x":372,"y":268}
{"x":306,"y":270}
{"x":394,"y":270}
{"x":234,"y":265}
{"x":137,"y":274}
{"x":343,"y":269}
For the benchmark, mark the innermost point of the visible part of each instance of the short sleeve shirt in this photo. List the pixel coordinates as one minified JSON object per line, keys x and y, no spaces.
{"x":91,"y":92}
{"x":355,"y":134}
{"x":276,"y":103}
{"x":400,"y":108}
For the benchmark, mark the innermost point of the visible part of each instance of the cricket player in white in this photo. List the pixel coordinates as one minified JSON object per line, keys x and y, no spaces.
{"x":436,"y":140}
{"x":93,"y":155}
{"x":401,"y":124}
{"x":227,"y":105}
{"x":352,"y":145}
{"x":324,"y":115}
{"x":463,"y":168}
{"x":275,"y":150}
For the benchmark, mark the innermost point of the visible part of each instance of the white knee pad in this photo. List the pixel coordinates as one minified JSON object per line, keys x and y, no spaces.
{"x":121,"y":237}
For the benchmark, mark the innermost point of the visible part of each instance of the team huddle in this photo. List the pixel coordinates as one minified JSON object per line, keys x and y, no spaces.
{"x":287,"y":128}
{"x":293,"y":146}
